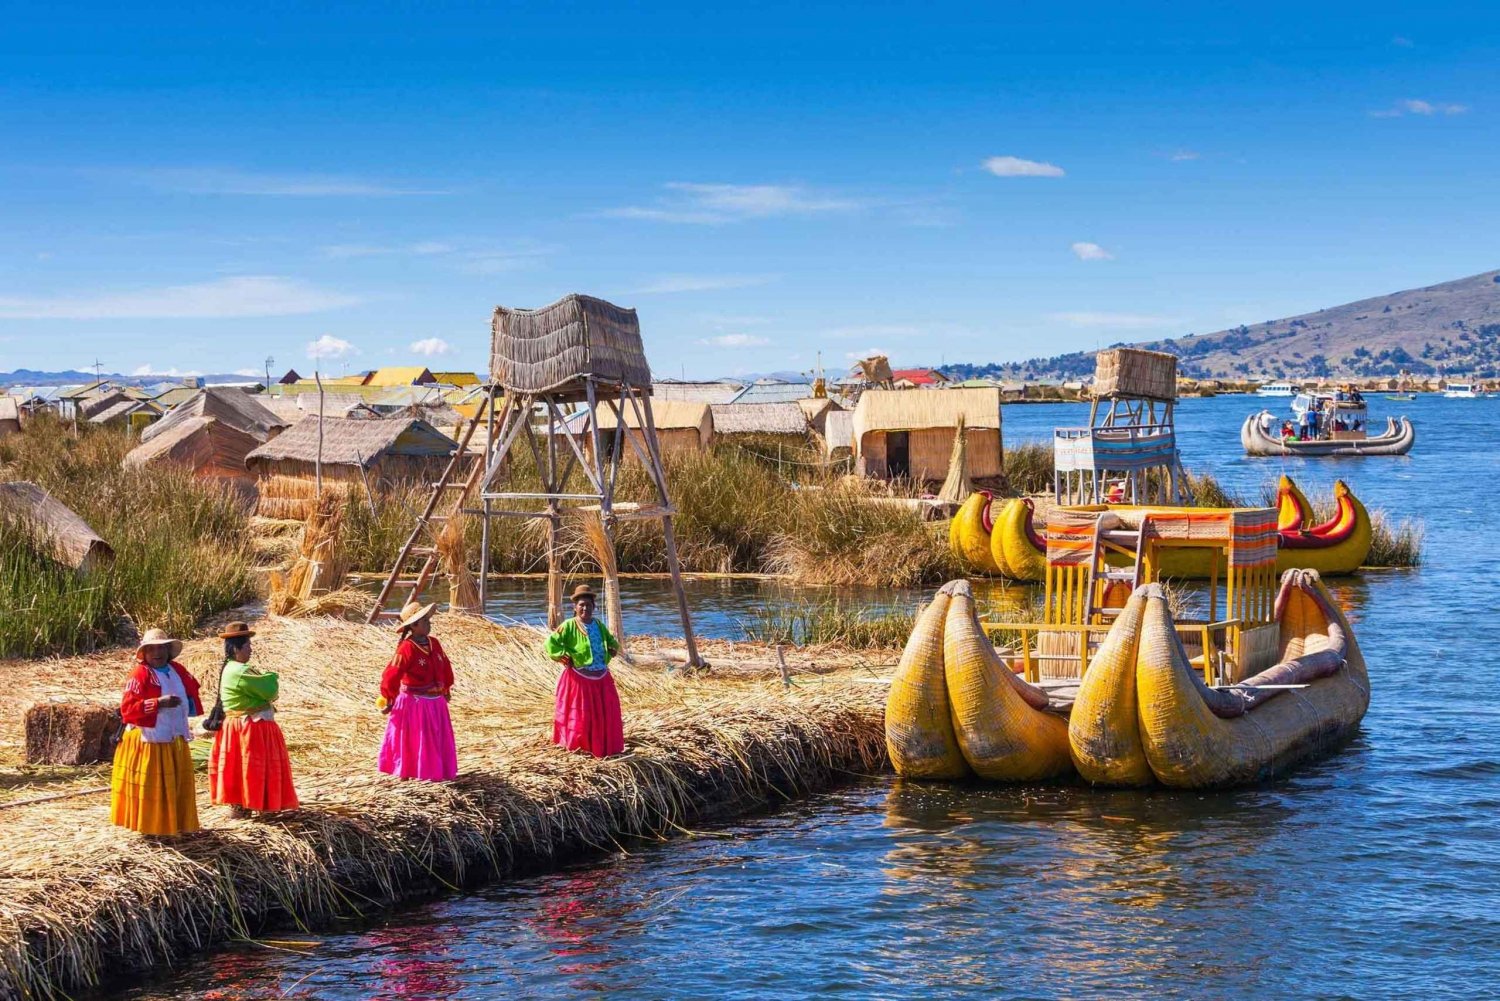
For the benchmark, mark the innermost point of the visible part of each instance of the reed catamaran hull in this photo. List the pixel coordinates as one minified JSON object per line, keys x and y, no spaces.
{"x":1398,"y":439}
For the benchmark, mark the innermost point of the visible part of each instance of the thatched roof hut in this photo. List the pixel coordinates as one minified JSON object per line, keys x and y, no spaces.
{"x":759,"y":420}
{"x":550,"y":350}
{"x":391,"y":450}
{"x":233,"y":407}
{"x":92,"y":406}
{"x":816,"y":410}
{"x":838,"y":433}
{"x":211,"y":448}
{"x":681,"y":426}
{"x":909,"y":432}
{"x":73,"y":541}
{"x":137,"y":414}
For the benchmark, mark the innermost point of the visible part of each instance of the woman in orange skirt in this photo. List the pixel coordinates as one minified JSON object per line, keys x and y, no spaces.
{"x":249,"y":768}
{"x":151,"y":787}
{"x":587,"y":712}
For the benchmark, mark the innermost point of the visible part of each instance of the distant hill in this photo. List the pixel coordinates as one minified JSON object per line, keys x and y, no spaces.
{"x":73,"y":377}
{"x":1449,"y":328}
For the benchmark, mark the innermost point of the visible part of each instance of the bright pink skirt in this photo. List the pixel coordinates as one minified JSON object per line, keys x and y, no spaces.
{"x":419,"y":739}
{"x":249,"y":766}
{"x":587,"y":717}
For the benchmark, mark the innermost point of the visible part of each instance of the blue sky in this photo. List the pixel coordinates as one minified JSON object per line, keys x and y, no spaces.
{"x":197,"y":188}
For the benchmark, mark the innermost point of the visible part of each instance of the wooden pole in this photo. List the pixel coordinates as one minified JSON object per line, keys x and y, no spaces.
{"x":554,"y":527}
{"x":318,"y":464}
{"x":484,"y":527}
{"x":609,"y":568}
{"x":659,"y":474}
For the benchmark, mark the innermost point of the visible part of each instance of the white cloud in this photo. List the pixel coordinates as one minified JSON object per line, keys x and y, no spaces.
{"x":700,"y":283}
{"x":1122,"y":321}
{"x":1085,"y":251}
{"x":712,"y":204}
{"x":1414,"y":106}
{"x":330,"y":347}
{"x":431,"y":347}
{"x":223,"y":298}
{"x":250,"y":372}
{"x":866,"y":353}
{"x":1014,"y":166}
{"x":736,"y":341}
{"x":1183,"y":155}
{"x":428,"y":248}
{"x":170,"y":373}
{"x":218,"y":181}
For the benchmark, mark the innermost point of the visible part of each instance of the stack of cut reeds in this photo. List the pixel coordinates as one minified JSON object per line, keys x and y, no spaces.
{"x":314,"y":585}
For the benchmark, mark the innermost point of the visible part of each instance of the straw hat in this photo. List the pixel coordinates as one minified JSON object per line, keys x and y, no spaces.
{"x":237,"y":630}
{"x":413,"y":613}
{"x":583,"y":591}
{"x":158,"y":637}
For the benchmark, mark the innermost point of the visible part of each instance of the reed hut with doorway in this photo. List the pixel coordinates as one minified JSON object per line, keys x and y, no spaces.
{"x":909,"y":433}
{"x":69,"y":538}
{"x":10,"y":416}
{"x":377,"y":453}
{"x":681,"y":426}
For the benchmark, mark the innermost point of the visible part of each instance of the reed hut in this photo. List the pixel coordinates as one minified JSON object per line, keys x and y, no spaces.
{"x":681,"y":426}
{"x":815,"y":410}
{"x":354,"y":451}
{"x":760,"y":424}
{"x":72,"y":540}
{"x":233,"y":407}
{"x":211,"y":448}
{"x":838,"y":434}
{"x":10,"y":416}
{"x":909,"y":432}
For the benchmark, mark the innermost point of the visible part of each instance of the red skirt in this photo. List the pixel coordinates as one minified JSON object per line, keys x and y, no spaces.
{"x":249,"y":766}
{"x":587,"y":716}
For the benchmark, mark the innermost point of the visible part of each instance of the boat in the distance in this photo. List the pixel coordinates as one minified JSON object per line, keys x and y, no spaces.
{"x":1401,"y":397}
{"x":1462,"y":391}
{"x":1264,"y":434}
{"x":1276,"y":389}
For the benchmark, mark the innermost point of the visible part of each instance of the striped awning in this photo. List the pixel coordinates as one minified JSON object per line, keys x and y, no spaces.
{"x":1248,"y":535}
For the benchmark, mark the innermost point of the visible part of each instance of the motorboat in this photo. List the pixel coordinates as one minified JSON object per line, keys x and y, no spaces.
{"x":1276,"y":389}
{"x":1462,"y":391}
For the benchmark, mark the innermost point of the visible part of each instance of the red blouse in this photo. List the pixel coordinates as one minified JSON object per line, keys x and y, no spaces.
{"x":426,"y":671}
{"x":138,"y":702}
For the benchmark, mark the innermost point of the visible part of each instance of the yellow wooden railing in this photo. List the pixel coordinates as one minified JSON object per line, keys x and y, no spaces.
{"x":1218,"y":661}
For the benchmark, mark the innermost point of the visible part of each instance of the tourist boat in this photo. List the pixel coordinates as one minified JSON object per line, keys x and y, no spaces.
{"x":1276,"y":389}
{"x":1462,"y":391}
{"x":1251,"y":687}
{"x":1258,"y":435}
{"x":1401,"y":397}
{"x":1018,"y":551}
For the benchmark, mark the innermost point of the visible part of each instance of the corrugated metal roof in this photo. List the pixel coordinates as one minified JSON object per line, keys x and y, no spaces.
{"x":773,"y":391}
{"x":700,"y":392}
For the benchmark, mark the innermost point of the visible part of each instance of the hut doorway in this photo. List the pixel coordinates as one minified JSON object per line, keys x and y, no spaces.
{"x":898,"y":454}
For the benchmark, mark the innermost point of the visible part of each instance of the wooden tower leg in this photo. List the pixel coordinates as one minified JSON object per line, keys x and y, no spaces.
{"x":659,"y":475}
{"x":609,"y":568}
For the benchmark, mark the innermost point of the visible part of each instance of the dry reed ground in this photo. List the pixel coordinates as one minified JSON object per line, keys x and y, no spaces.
{"x":81,"y":900}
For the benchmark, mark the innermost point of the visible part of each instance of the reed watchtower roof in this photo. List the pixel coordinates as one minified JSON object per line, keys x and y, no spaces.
{"x":555,"y":349}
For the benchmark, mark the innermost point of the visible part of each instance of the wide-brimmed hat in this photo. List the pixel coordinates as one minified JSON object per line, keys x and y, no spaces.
{"x":413,"y":613}
{"x":237,"y":630}
{"x":158,"y":637}
{"x":583,"y":591}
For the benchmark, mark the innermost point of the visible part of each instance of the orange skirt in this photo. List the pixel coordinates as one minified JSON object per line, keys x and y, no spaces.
{"x":249,"y":766}
{"x":151,"y":787}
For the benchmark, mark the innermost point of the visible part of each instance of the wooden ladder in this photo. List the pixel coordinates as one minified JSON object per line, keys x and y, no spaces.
{"x":431,"y":522}
{"x":1131,"y":542}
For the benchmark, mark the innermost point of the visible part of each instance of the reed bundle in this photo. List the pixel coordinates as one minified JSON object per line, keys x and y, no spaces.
{"x":293,"y":497}
{"x":318,"y":568}
{"x":85,"y":901}
{"x":602,"y":548}
{"x":453,"y":553}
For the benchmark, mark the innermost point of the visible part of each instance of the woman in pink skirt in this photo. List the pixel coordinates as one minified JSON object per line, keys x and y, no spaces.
{"x":414,"y":691}
{"x":587,"y":716}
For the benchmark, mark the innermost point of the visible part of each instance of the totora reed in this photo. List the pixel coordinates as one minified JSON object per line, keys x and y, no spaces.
{"x":85,"y":902}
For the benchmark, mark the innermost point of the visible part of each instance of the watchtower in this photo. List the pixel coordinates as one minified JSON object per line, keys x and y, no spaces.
{"x":1128,"y":453}
{"x":580,"y":354}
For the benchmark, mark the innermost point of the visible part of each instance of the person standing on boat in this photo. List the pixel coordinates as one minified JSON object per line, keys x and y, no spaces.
{"x":151,"y":785}
{"x":414,"y":692}
{"x":249,"y":768}
{"x":587,"y":712}
{"x":1304,"y":424}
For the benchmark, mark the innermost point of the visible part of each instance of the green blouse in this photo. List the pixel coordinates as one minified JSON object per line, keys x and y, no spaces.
{"x":573,"y":640}
{"x":245,"y":689}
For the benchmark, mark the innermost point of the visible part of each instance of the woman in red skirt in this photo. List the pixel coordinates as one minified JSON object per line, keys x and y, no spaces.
{"x":249,"y":768}
{"x":587,"y":715}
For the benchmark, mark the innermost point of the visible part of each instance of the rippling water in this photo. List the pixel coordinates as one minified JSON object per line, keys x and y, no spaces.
{"x":1368,"y":874}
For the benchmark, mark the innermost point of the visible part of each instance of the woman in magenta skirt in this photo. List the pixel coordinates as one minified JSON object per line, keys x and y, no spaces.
{"x":414,"y":692}
{"x":587,"y":715}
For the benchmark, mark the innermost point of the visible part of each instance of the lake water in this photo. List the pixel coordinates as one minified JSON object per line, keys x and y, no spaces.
{"x":1368,"y":874}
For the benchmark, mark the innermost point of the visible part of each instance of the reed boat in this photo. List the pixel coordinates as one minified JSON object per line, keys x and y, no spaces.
{"x":1258,"y":438}
{"x":1338,"y":546}
{"x":955,"y":706}
{"x":969,"y":534}
{"x":1144,"y":714}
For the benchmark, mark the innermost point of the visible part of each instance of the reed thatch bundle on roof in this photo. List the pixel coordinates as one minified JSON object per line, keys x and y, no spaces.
{"x":1132,"y":372}
{"x":355,"y":450}
{"x":759,"y":419}
{"x":69,"y":537}
{"x":909,"y":432}
{"x":553,"y":348}
{"x":233,"y":407}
